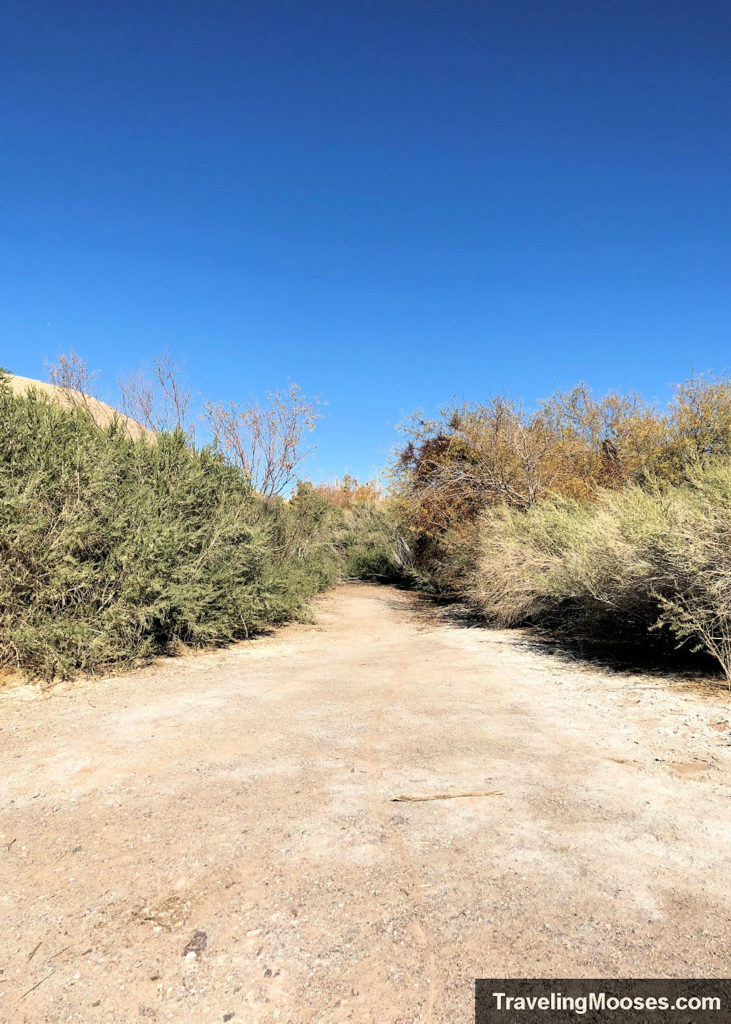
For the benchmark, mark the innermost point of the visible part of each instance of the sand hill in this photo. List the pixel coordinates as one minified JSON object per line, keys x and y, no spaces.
{"x":102,"y":413}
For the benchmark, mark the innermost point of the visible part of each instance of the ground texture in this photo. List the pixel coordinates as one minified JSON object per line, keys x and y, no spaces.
{"x":217,"y":837}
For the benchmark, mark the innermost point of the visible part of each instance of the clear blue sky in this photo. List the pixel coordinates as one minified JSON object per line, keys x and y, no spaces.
{"x":388,"y":201}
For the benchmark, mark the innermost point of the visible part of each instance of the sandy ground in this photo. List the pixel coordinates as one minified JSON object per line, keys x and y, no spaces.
{"x":215,"y":838}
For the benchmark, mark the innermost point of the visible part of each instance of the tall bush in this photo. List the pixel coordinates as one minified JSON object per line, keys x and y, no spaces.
{"x":113,"y":549}
{"x":630,"y":561}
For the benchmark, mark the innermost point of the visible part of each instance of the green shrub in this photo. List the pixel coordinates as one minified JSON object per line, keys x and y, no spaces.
{"x":113,"y":549}
{"x":372,"y":544}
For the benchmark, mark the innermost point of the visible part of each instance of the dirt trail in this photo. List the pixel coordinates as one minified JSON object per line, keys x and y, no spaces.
{"x":215,"y":838}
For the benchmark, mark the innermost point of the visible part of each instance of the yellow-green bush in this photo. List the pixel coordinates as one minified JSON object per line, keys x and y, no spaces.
{"x":630,"y":561}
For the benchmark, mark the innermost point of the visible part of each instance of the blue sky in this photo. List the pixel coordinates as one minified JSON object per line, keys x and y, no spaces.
{"x":389,"y":202}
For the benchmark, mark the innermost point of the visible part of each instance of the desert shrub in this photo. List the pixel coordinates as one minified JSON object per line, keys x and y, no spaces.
{"x":350,"y":491}
{"x":652,"y":559}
{"x":603,"y":518}
{"x":486,"y":454}
{"x":113,"y":549}
{"x":304,"y":556}
{"x":365,"y":529}
{"x":372,"y":543}
{"x":573,"y":565}
{"x":359,"y":528}
{"x":267,"y":442}
{"x":497,"y":456}
{"x":699,"y":419}
{"x":692,"y":559}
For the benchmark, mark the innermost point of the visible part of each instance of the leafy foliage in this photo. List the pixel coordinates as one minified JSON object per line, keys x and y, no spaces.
{"x":113,"y":549}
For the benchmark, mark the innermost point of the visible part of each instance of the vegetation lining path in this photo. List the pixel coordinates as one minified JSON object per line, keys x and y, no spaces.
{"x":217,"y":835}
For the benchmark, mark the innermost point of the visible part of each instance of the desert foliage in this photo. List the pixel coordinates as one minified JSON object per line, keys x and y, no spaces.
{"x":114,"y":549}
{"x":605,"y":519}
{"x":630,"y":561}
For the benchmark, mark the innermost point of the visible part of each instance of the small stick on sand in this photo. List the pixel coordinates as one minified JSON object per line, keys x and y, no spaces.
{"x":445,"y":796}
{"x":33,"y":987}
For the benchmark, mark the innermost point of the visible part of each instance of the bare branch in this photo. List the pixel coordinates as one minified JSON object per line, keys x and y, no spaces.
{"x":157,"y":396}
{"x":71,"y":373}
{"x":266,"y":442}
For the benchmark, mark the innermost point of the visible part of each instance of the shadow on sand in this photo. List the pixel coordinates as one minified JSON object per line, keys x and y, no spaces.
{"x":631,"y":657}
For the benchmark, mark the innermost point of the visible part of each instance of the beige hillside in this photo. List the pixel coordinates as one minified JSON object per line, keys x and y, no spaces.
{"x":101,"y":413}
